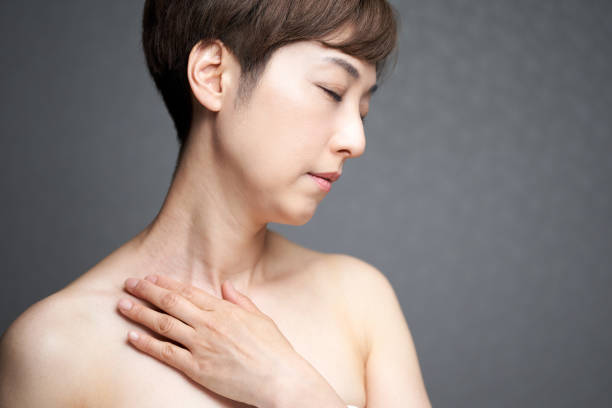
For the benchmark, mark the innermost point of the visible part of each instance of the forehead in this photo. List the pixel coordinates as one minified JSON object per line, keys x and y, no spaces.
{"x":314,"y":55}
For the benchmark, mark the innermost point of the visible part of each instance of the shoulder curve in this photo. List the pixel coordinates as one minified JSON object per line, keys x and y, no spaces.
{"x":33,"y":350}
{"x":357,"y":272}
{"x":362,"y":285}
{"x":392,"y":365}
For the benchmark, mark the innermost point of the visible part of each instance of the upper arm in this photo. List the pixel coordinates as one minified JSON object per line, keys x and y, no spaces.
{"x":35,"y":367}
{"x":393,"y":375}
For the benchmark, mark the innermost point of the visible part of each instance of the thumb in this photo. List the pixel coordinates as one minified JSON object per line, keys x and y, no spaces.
{"x":231,"y":294}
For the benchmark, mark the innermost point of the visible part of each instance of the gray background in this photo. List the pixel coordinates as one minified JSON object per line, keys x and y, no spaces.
{"x":484,"y":194}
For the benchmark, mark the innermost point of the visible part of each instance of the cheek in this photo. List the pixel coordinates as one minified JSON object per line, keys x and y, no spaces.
{"x":283,"y":128}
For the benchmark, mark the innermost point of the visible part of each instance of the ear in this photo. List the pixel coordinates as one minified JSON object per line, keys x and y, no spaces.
{"x":206,"y":67}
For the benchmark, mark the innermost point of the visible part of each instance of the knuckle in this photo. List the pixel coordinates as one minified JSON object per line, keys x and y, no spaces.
{"x":202,"y":321}
{"x":213,"y":325}
{"x":210,"y":322}
{"x":221,"y":327}
{"x":169,"y":300}
{"x":167,"y":352}
{"x":203,"y":366}
{"x":187,"y":292}
{"x":164,"y":324}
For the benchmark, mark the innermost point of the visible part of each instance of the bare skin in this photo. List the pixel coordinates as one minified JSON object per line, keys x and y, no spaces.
{"x":240,"y":171}
{"x":115,"y":375}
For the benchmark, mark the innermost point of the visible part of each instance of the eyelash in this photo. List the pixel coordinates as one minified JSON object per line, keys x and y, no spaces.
{"x":338,"y":98}
{"x":334,"y":95}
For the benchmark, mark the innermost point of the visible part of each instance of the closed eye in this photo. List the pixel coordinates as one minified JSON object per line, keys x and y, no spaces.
{"x":334,"y":95}
{"x":337,"y":98}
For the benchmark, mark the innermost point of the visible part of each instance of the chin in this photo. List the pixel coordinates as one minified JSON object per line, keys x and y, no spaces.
{"x":298,"y":213}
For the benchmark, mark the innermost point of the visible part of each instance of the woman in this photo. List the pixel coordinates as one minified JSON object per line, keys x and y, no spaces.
{"x":268,"y":100}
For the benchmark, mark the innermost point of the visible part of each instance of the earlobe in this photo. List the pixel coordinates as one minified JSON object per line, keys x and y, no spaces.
{"x":204,"y":73}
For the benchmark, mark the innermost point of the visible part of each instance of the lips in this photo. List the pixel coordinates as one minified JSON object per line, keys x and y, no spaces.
{"x":329,"y":176}
{"x":323,"y":183}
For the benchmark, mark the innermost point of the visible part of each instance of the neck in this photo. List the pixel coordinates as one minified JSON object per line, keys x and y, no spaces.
{"x":204,"y":233}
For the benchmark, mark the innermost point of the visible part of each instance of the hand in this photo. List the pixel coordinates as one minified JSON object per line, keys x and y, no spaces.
{"x":230,"y":346}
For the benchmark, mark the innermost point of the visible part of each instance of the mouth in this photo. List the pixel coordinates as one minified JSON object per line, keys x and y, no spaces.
{"x":323,"y":183}
{"x":329,"y":176}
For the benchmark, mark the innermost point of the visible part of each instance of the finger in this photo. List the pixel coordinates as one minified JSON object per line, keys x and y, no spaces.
{"x":164,"y":351}
{"x":233,"y":295}
{"x":160,"y":323}
{"x":197,"y":296}
{"x":168,"y":301}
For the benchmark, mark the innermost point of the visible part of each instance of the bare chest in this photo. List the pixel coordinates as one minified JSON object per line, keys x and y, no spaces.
{"x":318,"y":332}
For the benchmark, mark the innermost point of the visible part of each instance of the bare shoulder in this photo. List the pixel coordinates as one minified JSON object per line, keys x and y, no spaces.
{"x":357,"y":281}
{"x":355,"y":271}
{"x":347,"y":277}
{"x":350,"y":282}
{"x":350,"y":269}
{"x":353,"y":286}
{"x":393,"y":373}
{"x":361,"y":286}
{"x":43,"y":360}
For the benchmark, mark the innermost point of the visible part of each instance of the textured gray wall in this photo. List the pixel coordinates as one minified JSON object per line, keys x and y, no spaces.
{"x":485,"y":192}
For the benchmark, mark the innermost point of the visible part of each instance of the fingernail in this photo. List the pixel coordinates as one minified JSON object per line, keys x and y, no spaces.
{"x":151,"y":278}
{"x":125,"y":304}
{"x":131,"y":283}
{"x":133,"y":335}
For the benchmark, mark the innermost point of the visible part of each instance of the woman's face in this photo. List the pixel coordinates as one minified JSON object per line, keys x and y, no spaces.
{"x":293,"y":124}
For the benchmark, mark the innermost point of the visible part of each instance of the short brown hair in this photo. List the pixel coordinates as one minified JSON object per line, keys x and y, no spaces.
{"x":252,"y":30}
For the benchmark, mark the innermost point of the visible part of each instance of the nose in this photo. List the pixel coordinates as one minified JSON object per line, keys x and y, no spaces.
{"x":349,"y":138}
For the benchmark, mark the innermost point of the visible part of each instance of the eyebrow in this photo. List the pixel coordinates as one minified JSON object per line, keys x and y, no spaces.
{"x":348,"y":67}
